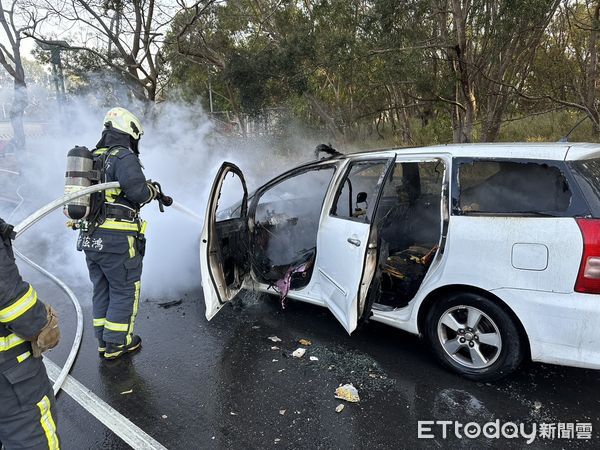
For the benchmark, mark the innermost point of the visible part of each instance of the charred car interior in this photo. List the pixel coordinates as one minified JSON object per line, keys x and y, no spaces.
{"x":281,"y":245}
{"x":286,"y":224}
{"x":409,"y":223}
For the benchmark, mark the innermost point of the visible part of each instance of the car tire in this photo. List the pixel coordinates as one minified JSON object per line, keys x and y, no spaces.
{"x":474,"y":336}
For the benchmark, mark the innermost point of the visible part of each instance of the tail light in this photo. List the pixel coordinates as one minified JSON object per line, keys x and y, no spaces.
{"x":588,"y":279}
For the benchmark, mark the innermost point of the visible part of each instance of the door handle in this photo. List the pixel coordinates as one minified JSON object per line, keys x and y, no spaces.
{"x":354,"y":241}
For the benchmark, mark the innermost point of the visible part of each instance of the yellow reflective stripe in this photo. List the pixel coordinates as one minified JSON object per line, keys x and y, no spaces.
{"x":20,"y":307}
{"x":143,"y":230}
{"x":99,"y":322}
{"x":22,"y":357}
{"x":112,"y":326}
{"x":48,"y":424}
{"x":136,"y":305}
{"x":131,"y":241}
{"x":122,"y":226}
{"x":111,"y":194}
{"x":10,"y":341}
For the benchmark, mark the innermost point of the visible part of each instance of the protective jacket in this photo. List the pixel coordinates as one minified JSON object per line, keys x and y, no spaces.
{"x":22,"y":315}
{"x":27,"y":404}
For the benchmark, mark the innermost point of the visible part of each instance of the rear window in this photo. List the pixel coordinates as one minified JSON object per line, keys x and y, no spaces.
{"x":512,"y":187}
{"x":587,"y":174}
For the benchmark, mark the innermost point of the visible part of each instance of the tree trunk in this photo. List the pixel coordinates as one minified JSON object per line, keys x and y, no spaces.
{"x":464,"y":92}
{"x":17,"y":110}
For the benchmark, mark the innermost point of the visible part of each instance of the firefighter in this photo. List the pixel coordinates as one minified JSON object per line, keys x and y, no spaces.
{"x":27,"y":328}
{"x":113,"y":236}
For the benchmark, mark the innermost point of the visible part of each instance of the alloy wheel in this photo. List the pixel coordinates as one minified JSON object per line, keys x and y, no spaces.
{"x":469,"y":336}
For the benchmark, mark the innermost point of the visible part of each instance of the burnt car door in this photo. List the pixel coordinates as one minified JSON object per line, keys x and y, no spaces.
{"x":224,"y":242}
{"x":347,"y":249}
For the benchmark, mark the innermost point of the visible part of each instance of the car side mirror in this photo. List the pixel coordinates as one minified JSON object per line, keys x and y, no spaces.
{"x":361,"y":197}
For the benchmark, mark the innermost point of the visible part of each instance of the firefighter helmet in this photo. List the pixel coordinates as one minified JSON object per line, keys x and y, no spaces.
{"x":124,"y":121}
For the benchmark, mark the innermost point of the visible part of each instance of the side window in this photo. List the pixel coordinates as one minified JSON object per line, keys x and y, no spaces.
{"x":512,"y":187}
{"x":357,"y":195}
{"x":287,"y":219}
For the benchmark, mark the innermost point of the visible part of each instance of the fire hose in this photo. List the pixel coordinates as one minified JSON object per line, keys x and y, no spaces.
{"x":38,"y":215}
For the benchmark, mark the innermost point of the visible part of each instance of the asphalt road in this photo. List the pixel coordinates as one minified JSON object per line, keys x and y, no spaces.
{"x":197,"y":384}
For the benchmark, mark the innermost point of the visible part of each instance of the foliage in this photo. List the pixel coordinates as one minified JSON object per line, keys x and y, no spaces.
{"x":411,"y":72}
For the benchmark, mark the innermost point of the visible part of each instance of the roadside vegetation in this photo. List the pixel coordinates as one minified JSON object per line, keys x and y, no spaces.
{"x":372,"y":71}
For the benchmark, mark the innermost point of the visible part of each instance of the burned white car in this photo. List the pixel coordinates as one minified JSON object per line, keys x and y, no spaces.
{"x":490,"y":252}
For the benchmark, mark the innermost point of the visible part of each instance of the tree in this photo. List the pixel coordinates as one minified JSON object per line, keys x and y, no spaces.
{"x":18,"y":18}
{"x":125,"y":36}
{"x":489,"y":47}
{"x":566,"y":71}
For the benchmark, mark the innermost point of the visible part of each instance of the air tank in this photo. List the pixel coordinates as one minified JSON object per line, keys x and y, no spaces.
{"x":80,"y":163}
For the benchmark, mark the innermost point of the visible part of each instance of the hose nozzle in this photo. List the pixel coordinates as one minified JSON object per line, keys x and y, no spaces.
{"x":163,"y":200}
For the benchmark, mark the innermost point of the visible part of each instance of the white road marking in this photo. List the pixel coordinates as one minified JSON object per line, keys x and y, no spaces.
{"x":115,"y":421}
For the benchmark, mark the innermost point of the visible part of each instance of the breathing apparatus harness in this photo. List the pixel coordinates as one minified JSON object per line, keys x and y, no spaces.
{"x":85,"y":168}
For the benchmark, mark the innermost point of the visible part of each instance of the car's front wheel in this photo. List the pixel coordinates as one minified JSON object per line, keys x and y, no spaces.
{"x":473,"y":336}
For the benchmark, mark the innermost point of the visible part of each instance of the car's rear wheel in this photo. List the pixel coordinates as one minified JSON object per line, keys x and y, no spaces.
{"x":474,"y":336}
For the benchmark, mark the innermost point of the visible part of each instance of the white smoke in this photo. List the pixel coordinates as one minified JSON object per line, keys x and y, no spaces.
{"x":181,"y":150}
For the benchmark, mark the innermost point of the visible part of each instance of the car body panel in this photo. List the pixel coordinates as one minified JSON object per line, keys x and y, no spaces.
{"x":561,"y":328}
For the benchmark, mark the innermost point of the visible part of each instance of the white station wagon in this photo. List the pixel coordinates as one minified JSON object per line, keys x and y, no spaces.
{"x":490,"y":252}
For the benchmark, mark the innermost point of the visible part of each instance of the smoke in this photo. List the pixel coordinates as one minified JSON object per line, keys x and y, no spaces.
{"x":180,"y":148}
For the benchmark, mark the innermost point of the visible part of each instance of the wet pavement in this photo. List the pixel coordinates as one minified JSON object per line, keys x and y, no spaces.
{"x":197,"y":384}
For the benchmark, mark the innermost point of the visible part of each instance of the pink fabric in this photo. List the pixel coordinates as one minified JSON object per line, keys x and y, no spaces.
{"x":283,"y":285}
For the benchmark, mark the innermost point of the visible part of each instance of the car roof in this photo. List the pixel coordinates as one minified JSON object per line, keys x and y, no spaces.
{"x":517,"y":150}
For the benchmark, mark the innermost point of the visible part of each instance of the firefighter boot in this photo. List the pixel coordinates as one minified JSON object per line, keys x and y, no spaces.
{"x":114,"y":351}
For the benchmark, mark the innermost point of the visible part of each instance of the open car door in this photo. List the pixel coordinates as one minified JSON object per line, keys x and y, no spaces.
{"x":346,"y":257}
{"x":224,"y":241}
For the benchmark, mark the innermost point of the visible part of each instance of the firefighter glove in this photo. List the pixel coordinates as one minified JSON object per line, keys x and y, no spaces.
{"x":49,"y":336}
{"x":154,"y":192}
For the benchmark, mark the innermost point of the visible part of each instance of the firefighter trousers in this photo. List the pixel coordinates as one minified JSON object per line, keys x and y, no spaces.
{"x":27,"y":414}
{"x":116,"y":279}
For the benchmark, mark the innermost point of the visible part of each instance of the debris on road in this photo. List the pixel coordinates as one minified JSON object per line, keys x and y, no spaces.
{"x":347,"y":392}
{"x":274,"y":339}
{"x":305,"y":342}
{"x":277,"y":440}
{"x":537,"y":405}
{"x":274,"y":347}
{"x":233,"y":413}
{"x":167,"y":305}
{"x":299,"y":352}
{"x":314,"y":358}
{"x":130,"y":391}
{"x":339,"y":408}
{"x":164,"y":416}
{"x":256,"y":327}
{"x":282,"y":412}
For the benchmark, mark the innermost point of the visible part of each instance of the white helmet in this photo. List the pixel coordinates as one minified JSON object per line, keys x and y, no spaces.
{"x":122,"y":120}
